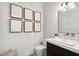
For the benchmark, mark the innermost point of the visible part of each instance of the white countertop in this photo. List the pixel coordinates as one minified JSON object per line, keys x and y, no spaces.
{"x":72,"y":45}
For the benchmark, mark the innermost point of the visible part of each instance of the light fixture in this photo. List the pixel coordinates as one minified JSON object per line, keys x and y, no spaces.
{"x":67,"y":5}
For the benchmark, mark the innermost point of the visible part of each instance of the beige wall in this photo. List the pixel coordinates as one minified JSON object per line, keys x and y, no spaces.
{"x":22,"y":42}
{"x":50,"y":18}
{"x":1,"y":34}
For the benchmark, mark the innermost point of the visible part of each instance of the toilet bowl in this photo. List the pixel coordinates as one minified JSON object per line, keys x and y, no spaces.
{"x":40,"y":50}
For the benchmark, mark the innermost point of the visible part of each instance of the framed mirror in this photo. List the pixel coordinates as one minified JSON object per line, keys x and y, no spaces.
{"x":68,"y":21}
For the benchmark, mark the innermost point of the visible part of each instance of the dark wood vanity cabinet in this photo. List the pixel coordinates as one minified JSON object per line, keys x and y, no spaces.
{"x":53,"y":50}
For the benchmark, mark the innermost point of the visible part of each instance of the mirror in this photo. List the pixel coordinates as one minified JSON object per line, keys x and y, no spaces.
{"x":68,"y":20}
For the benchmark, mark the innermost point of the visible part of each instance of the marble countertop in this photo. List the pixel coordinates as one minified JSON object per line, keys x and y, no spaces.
{"x":61,"y":42}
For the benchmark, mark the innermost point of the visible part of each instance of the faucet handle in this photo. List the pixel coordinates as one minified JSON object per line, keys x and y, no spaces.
{"x":66,"y":34}
{"x":72,"y":34}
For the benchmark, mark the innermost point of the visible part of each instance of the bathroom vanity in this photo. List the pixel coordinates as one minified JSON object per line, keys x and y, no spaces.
{"x":62,"y":47}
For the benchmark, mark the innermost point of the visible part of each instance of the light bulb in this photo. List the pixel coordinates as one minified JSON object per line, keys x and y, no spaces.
{"x":71,"y":5}
{"x":63,"y":9}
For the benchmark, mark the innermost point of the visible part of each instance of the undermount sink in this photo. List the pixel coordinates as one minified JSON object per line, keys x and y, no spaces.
{"x":65,"y":41}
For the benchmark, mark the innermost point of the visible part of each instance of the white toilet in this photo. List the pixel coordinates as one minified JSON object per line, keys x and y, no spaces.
{"x":40,"y":50}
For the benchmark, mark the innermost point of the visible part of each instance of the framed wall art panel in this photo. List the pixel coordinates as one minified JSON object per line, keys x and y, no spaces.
{"x":37,"y":26}
{"x":15,"y":11}
{"x":15,"y":26}
{"x":28,"y":26}
{"x":28,"y":14}
{"x":37,"y":16}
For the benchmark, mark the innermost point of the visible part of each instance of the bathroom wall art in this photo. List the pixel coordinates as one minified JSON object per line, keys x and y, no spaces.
{"x":15,"y":26}
{"x":15,"y":11}
{"x":28,"y":14}
{"x":23,"y":19}
{"x":37,"y":16}
{"x":37,"y":26}
{"x":28,"y":26}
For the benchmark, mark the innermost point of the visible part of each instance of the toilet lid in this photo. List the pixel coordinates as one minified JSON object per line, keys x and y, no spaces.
{"x":39,"y":47}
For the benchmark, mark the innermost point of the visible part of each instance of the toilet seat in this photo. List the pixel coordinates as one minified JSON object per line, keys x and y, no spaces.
{"x":40,"y":50}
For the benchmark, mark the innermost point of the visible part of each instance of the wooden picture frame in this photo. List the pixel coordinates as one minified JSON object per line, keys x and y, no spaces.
{"x":15,"y":26}
{"x":16,"y":11}
{"x":28,"y":26}
{"x":37,"y":16}
{"x":28,"y":14}
{"x":37,"y":27}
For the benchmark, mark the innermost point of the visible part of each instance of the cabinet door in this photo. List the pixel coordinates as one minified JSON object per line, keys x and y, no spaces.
{"x":53,"y":50}
{"x":69,"y":53}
